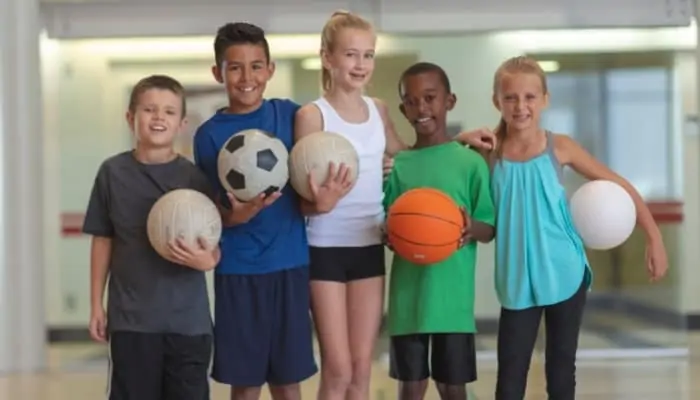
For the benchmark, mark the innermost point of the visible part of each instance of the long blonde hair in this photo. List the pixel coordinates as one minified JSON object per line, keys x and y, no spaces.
{"x":338,"y":21}
{"x":523,"y":65}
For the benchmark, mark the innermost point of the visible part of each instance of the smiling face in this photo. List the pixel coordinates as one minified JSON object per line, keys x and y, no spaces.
{"x":425,"y":103}
{"x":157,"y":118}
{"x":350,"y":60}
{"x":521,"y":98}
{"x":245,"y":71}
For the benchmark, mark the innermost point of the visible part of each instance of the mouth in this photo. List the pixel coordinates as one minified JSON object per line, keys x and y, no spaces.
{"x":246,"y":89}
{"x":423,"y":120}
{"x":157,"y":128}
{"x":521,"y":117}
{"x":358,"y":76}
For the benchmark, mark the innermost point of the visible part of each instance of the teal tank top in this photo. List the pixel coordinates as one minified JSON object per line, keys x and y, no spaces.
{"x":540,"y":258}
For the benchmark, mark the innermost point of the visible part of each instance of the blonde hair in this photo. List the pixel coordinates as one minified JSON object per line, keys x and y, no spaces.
{"x":522,"y":65}
{"x":338,"y":21}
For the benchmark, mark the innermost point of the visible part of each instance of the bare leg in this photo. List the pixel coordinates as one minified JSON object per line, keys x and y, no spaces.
{"x":452,"y":392}
{"x":286,"y":392}
{"x":245,"y":393}
{"x":328,"y":303}
{"x":413,"y":390}
{"x":365,"y":309}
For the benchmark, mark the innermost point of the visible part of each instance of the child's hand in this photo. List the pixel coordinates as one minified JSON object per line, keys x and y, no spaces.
{"x":466,"y":234}
{"x":242,"y":212}
{"x":657,"y":260}
{"x":200,"y":256}
{"x":98,"y":325}
{"x":387,"y":165}
{"x":337,"y":185}
{"x":482,"y":138}
{"x":385,"y":238}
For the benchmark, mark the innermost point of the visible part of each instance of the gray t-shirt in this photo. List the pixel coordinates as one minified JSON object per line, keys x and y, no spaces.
{"x":147,"y":293}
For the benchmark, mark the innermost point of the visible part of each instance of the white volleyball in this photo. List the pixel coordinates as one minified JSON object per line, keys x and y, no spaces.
{"x":186,"y":214}
{"x":604,"y":214}
{"x":315,"y":152}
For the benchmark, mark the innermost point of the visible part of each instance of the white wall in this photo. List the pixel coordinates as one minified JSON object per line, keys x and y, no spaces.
{"x":85,"y":96}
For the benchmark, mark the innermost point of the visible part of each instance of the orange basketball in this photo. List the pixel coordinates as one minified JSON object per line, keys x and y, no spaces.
{"x":424,"y":226}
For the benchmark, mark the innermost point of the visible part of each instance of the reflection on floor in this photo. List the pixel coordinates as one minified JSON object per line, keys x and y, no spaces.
{"x":78,"y":372}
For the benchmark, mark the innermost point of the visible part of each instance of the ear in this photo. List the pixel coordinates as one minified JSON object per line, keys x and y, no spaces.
{"x":325,"y":59}
{"x":546,"y":100}
{"x":130,"y":120}
{"x":216,"y":72}
{"x":271,"y":69}
{"x":402,"y":109}
{"x":451,"y":101}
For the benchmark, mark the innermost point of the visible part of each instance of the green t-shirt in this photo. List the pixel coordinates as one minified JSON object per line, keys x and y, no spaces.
{"x":438,"y":298}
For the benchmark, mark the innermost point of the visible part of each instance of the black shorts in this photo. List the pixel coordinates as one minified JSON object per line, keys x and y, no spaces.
{"x":452,"y":358}
{"x":345,"y":264}
{"x":151,"y":366}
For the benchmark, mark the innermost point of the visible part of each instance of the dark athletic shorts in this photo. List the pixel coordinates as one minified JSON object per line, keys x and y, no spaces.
{"x":262,"y":329}
{"x":346,"y":264}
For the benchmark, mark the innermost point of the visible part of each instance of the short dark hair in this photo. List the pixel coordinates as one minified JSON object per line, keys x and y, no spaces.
{"x":235,"y":33}
{"x":422,"y":68}
{"x":162,"y":82}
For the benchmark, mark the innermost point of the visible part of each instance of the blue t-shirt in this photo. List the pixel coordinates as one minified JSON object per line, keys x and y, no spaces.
{"x":275,"y":239}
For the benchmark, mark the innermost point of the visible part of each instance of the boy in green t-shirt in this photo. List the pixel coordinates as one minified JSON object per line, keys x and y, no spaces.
{"x":435,"y":303}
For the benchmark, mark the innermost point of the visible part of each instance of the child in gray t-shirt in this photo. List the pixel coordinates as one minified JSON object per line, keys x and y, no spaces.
{"x":158,"y":322}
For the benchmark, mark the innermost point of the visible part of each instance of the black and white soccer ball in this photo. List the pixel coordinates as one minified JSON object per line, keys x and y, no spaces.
{"x":252,"y":162}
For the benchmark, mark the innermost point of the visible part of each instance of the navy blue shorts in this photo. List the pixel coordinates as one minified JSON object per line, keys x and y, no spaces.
{"x":262,"y":329}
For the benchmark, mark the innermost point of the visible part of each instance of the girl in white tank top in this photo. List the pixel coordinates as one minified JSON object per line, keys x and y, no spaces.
{"x":344,"y":222}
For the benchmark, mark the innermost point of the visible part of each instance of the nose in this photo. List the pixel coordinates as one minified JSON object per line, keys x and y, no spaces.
{"x":422,"y":106}
{"x":246,"y":73}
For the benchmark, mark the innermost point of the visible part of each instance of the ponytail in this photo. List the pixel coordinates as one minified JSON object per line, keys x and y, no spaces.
{"x":501,"y":131}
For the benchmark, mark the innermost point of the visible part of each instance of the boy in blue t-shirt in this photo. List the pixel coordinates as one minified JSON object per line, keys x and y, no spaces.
{"x":262,"y":330}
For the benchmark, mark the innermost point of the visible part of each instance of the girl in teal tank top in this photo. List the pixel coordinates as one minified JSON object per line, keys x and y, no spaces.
{"x":541,"y":265}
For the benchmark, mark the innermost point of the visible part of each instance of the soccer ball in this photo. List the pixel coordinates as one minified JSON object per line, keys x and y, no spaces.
{"x":252,"y":162}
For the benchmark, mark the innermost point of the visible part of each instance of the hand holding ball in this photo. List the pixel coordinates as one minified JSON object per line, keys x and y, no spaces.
{"x":316,"y":160}
{"x":251,"y":163}
{"x":425,"y":226}
{"x":186,"y":215}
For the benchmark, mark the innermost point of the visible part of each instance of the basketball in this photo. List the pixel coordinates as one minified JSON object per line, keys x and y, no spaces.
{"x":425,"y":226}
{"x":252,"y":162}
{"x":314,"y":153}
{"x":184,"y":213}
{"x":604,"y":214}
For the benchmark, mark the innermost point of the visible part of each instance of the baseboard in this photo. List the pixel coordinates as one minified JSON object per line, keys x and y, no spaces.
{"x":666,"y":318}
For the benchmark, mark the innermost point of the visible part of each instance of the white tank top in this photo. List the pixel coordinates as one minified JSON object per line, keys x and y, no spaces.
{"x":356,"y":219}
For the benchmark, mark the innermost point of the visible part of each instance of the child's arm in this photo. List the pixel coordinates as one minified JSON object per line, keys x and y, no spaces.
{"x":572,"y":154}
{"x":308,"y":120}
{"x":391,"y":193}
{"x":483,"y":214}
{"x":100,"y":253}
{"x":98,"y":223}
{"x":479,"y":139}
